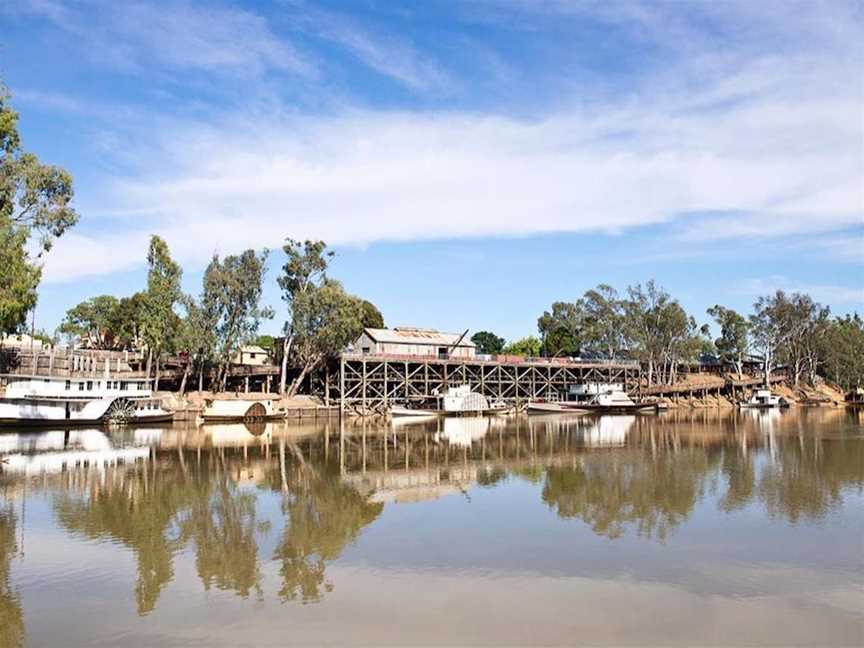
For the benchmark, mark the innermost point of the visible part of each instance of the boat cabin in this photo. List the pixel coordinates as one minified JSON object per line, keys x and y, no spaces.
{"x":74,"y":388}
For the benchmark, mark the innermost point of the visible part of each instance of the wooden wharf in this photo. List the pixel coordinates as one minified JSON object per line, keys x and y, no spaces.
{"x":369,"y":383}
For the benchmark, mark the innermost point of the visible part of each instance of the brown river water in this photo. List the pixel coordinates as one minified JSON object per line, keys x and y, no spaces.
{"x":702,"y":528}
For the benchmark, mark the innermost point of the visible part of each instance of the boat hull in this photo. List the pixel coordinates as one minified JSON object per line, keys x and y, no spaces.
{"x":585,"y":408}
{"x":64,"y":423}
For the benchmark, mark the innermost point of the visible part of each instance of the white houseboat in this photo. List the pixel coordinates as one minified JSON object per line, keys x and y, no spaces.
{"x":764,"y":399}
{"x":41,"y":400}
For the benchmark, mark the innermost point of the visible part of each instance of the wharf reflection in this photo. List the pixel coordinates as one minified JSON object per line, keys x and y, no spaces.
{"x":160,"y":492}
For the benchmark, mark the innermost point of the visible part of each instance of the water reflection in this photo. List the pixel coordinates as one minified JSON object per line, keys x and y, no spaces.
{"x":160,"y":492}
{"x":11,"y":614}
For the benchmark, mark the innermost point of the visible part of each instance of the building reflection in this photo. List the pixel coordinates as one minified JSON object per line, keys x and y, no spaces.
{"x":159,"y":492}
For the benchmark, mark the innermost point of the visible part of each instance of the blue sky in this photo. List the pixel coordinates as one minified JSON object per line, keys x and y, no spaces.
{"x":471,"y":162}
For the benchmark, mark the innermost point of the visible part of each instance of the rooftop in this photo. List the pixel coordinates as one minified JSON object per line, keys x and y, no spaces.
{"x":410,"y":335}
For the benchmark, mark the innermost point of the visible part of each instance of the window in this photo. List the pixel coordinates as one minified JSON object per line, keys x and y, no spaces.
{"x":123,"y":385}
{"x":80,"y":386}
{"x":68,"y":385}
{"x":89,"y":385}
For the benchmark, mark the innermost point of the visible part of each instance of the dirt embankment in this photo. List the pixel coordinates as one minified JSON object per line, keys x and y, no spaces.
{"x":823,"y":394}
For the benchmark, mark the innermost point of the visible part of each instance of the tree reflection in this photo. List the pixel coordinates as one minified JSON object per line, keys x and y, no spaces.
{"x":609,"y":492}
{"x":323,"y":515}
{"x":807,"y":476}
{"x":11,"y":616}
{"x":222,"y":522}
{"x":141,"y":515}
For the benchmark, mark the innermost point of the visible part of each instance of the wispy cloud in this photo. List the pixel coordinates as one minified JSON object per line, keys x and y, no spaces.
{"x":740,"y":133}
{"x":827,"y":294}
{"x":178,"y":35}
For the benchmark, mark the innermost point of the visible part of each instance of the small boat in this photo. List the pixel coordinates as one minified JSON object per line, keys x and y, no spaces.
{"x":50,"y":401}
{"x":598,"y":398}
{"x":408,"y":412}
{"x":764,"y":399}
{"x":239,"y":410}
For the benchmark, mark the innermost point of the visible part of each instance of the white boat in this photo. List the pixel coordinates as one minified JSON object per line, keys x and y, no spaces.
{"x":41,"y":400}
{"x":603,"y":398}
{"x":455,"y":401}
{"x":764,"y":399}
{"x":415,"y":414}
{"x":231,"y":409}
{"x":35,"y":453}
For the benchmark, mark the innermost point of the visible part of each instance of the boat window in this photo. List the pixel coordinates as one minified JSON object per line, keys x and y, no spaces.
{"x":122,"y":385}
{"x":80,"y":386}
{"x":89,"y":385}
{"x":68,"y":385}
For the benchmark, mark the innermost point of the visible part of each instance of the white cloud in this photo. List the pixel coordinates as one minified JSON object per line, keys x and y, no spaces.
{"x":826,"y":294}
{"x":754,"y":142}
{"x":178,"y":35}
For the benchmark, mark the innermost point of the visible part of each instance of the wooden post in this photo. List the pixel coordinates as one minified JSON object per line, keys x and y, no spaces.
{"x":341,"y":385}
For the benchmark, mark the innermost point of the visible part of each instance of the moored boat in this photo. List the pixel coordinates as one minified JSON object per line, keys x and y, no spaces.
{"x":764,"y":399}
{"x":600,"y":398}
{"x":49,"y":401}
{"x":455,"y":401}
{"x":237,"y":410}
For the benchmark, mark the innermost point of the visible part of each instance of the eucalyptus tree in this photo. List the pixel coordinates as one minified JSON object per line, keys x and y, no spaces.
{"x":561,"y":328}
{"x":232,"y":301}
{"x":662,"y":332}
{"x":35,"y":209}
{"x":106,"y":322}
{"x":841,"y":351}
{"x":325,"y":320}
{"x":734,"y":341}
{"x":487,"y":342}
{"x":528,"y":346}
{"x":92,"y":320}
{"x":604,"y":331}
{"x":159,"y":321}
{"x":304,"y":271}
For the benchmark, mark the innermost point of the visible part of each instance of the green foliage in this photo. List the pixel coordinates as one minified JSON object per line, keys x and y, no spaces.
{"x":604,"y":331}
{"x":266,"y":342}
{"x":231,"y":303}
{"x":105,"y":322}
{"x":325,"y":321}
{"x":561,"y":329}
{"x":789,"y":329}
{"x":323,"y":318}
{"x":527,"y":346}
{"x":159,"y":321}
{"x":488,"y":343}
{"x":841,"y":352}
{"x":371,"y":317}
{"x":34,"y":209}
{"x":734,"y":341}
{"x":660,"y":331}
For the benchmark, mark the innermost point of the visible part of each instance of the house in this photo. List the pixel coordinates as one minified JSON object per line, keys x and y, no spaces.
{"x":409,"y":341}
{"x":22,"y":342}
{"x":251,"y":355}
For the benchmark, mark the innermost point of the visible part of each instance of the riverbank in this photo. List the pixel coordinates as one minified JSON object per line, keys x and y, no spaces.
{"x":804,"y":396}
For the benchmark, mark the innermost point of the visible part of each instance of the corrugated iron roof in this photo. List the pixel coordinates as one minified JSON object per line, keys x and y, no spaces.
{"x":405,"y":335}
